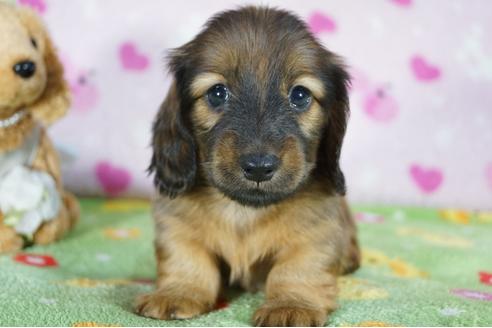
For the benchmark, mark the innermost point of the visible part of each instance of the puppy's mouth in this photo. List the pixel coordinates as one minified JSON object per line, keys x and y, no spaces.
{"x":256,"y":194}
{"x":254,"y":197}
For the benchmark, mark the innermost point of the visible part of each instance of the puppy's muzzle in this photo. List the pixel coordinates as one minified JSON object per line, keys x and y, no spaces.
{"x":259,"y":167}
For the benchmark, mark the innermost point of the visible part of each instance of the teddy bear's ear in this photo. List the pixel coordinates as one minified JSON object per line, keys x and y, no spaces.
{"x":55,"y":100}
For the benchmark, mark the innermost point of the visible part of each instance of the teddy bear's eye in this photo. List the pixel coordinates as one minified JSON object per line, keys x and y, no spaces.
{"x":34,"y":43}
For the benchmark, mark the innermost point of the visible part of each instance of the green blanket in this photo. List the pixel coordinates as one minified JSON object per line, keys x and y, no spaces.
{"x":421,"y":267}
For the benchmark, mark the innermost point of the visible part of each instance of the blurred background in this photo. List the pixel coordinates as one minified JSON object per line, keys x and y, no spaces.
{"x":420,"y":131}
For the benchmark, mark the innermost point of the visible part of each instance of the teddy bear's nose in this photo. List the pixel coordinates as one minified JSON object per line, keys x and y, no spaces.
{"x":25,"y":69}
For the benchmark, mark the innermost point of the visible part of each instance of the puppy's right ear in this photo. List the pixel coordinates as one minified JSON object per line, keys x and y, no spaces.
{"x":174,"y":156}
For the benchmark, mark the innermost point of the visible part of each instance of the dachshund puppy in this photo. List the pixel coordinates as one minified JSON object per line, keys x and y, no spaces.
{"x":246,"y":148}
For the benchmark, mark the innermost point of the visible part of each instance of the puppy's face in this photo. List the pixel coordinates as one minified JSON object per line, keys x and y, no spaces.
{"x":257,"y":108}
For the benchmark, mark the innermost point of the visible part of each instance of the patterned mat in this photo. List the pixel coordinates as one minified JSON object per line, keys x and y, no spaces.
{"x":422,"y":267}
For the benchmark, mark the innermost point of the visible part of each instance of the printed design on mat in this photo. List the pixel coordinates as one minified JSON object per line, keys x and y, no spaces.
{"x":131,"y":58}
{"x":472,"y":294}
{"x":124,"y":205}
{"x":423,"y":70}
{"x":367,"y":217}
{"x":451,"y":312}
{"x":375,"y":98}
{"x":428,"y":180}
{"x":358,"y":289}
{"x":465,"y":217}
{"x":37,"y":260}
{"x":103,"y":257}
{"x":455,"y":216}
{"x":485,"y":277}
{"x":93,"y":324}
{"x":397,"y":266}
{"x":85,"y":94}
{"x":438,"y":239}
{"x":484,"y":217}
{"x":221,"y":304}
{"x":113,"y":179}
{"x":122,"y":233}
{"x":369,"y":324}
{"x":37,"y":5}
{"x":319,"y":22}
{"x":91,"y":283}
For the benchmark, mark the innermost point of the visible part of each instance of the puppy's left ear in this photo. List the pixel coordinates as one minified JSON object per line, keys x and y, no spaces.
{"x":336,"y":103}
{"x":174,"y":157}
{"x":55,"y":100}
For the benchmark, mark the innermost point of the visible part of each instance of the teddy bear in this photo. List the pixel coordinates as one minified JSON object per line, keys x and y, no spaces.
{"x":34,"y":207}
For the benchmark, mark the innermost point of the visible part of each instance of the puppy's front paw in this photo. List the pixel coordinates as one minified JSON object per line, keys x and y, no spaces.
{"x":288,"y":316}
{"x":159,"y":305}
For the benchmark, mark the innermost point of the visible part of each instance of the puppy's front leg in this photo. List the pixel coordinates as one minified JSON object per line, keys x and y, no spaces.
{"x":299,"y":290}
{"x":188,"y":282}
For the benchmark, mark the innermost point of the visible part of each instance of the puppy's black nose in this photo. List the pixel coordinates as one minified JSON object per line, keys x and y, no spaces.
{"x":259,"y":167}
{"x":25,"y":69}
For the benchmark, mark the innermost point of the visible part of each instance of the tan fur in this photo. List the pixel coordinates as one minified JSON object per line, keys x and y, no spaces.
{"x":203,"y":117}
{"x":203,"y":82}
{"x":46,"y":98}
{"x":311,"y":120}
{"x":55,"y":99}
{"x":204,"y":225}
{"x":294,"y":247}
{"x":313,"y":84}
{"x":13,"y":136}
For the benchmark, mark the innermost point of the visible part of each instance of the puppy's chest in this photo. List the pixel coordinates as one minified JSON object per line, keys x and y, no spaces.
{"x":245,"y":242}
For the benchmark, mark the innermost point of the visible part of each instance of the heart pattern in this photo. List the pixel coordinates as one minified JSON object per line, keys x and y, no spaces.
{"x":376,"y":99}
{"x":488,"y":174}
{"x":423,"y":70}
{"x":37,"y":5}
{"x":114,"y":180}
{"x":319,"y":23}
{"x":85,"y":94}
{"x":427,"y":179}
{"x":131,"y":58}
{"x":380,"y":106}
{"x":415,"y":76}
{"x":402,"y":3}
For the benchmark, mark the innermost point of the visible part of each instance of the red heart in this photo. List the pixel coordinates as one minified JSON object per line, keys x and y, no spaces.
{"x":37,"y":260}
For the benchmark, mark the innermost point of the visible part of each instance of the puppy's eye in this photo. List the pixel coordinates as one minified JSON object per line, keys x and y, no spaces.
{"x":34,"y":43}
{"x":300,"y":97}
{"x":217,"y":95}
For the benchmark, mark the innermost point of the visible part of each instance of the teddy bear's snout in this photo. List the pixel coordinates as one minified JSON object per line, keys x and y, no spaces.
{"x":25,"y":69}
